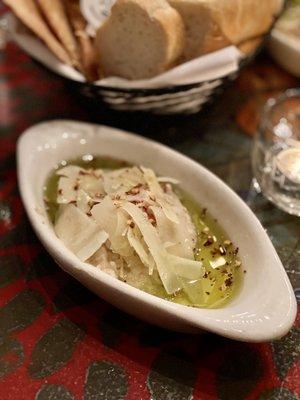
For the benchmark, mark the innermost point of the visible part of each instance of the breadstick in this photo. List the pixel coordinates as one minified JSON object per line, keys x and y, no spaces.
{"x":29,"y":14}
{"x":56,"y":16}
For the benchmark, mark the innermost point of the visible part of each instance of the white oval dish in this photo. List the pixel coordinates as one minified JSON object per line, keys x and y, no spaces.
{"x":265,"y":307}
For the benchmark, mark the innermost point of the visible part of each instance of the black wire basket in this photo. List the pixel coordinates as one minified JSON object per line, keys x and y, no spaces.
{"x":179,"y":99}
{"x":175,"y":99}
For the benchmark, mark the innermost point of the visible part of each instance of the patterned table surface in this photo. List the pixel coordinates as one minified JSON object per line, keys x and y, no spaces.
{"x":60,"y":342}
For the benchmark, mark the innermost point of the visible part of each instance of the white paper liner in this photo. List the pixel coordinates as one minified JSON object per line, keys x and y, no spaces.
{"x":208,"y":67}
{"x":95,"y":13}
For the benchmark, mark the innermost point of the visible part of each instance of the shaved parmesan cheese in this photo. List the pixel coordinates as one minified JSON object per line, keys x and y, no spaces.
{"x":83,"y":201}
{"x":146,"y":231}
{"x":112,"y":221}
{"x":182,"y":236}
{"x":189,"y":269}
{"x":160,"y":196}
{"x":101,"y":260}
{"x":79,"y":185}
{"x":152,"y":182}
{"x":91,"y":184}
{"x":122,"y":180}
{"x":170,"y":281}
{"x":66,"y":191}
{"x":219,"y":262}
{"x":137,"y":242}
{"x":79,"y":232}
{"x":167,"y":179}
{"x":70,"y":171}
{"x":167,"y":209}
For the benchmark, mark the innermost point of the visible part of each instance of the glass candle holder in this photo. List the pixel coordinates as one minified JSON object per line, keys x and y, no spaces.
{"x":276,"y":152}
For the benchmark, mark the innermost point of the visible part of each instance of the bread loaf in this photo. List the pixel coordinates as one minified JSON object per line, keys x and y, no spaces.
{"x":140,"y":39}
{"x":213,"y":24}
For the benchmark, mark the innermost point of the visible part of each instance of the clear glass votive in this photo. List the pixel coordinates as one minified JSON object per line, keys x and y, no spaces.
{"x":276,"y":152}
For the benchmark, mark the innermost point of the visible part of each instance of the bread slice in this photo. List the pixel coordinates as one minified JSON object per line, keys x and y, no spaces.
{"x":55,"y":14}
{"x":140,"y":39}
{"x":249,"y":46}
{"x":30,"y":15}
{"x":213,"y":24}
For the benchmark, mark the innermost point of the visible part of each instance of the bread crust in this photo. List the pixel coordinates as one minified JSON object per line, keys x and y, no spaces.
{"x":242,"y":20}
{"x":163,"y":20}
{"x":214,"y":24}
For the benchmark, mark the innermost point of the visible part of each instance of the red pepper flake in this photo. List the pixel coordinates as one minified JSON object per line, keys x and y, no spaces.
{"x":245,"y":272}
{"x":130,"y":223}
{"x":235,"y":251}
{"x":205,"y":275}
{"x":203,"y":212}
{"x":76,"y":187}
{"x":209,"y":241}
{"x":97,"y":175}
{"x":228,"y":282}
{"x":60,"y":191}
{"x":152,"y":221}
{"x":73,"y":202}
{"x":89,"y":214}
{"x":208,"y":293}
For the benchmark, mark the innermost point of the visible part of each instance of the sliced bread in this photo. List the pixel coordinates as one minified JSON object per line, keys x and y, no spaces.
{"x":140,"y":39}
{"x":213,"y":24}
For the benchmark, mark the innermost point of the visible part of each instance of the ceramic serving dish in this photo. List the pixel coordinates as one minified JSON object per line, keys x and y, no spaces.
{"x":265,"y":307}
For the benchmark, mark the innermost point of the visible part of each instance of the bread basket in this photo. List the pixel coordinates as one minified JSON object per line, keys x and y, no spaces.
{"x":169,"y":99}
{"x":176,"y":99}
